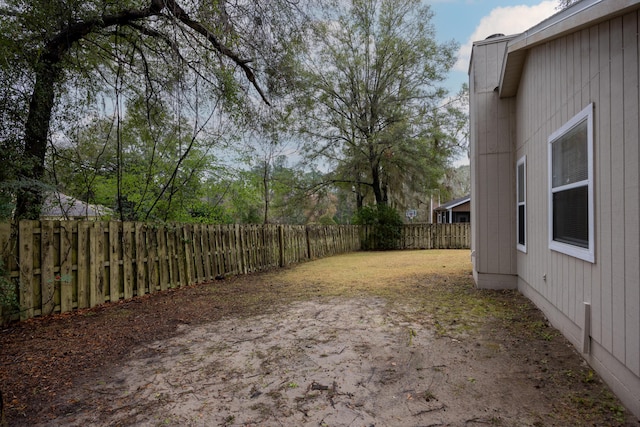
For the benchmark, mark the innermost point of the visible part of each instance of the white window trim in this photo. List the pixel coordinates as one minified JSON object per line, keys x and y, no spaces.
{"x":586,"y":254}
{"x":523,"y":162}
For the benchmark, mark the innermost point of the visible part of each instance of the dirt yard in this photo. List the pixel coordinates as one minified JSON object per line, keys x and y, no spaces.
{"x":365,"y":339}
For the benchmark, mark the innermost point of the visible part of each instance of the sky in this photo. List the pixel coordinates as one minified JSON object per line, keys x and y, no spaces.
{"x":466,"y":21}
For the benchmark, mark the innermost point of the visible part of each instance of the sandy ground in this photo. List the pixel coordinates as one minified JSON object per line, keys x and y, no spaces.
{"x":337,"y":363}
{"x":363,"y":340}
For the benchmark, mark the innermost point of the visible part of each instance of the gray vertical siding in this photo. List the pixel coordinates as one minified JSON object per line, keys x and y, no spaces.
{"x":595,"y":64}
{"x":493,"y":189}
{"x":560,"y":78}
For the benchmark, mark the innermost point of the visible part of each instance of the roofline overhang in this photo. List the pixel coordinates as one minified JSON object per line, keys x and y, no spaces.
{"x":581,"y":15}
{"x":446,"y":206}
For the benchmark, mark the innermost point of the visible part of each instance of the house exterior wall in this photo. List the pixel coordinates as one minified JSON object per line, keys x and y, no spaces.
{"x":464,"y":207}
{"x":595,"y":64}
{"x":456,"y":214}
{"x":492,"y":190}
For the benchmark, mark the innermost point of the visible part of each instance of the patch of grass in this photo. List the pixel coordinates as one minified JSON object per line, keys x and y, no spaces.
{"x":589,"y":378}
{"x":437,"y":281}
{"x":412,"y":334}
{"x":597,"y":405}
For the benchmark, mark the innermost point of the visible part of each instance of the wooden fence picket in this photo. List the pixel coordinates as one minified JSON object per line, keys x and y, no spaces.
{"x":82,"y":265}
{"x":113,"y":262}
{"x":47,"y":274}
{"x":141,"y":259}
{"x":63,"y":265}
{"x":128,"y":249}
{"x":97,"y":274}
{"x":173,"y":270}
{"x":163,"y":259}
{"x":65,"y":277}
{"x":206,"y":252}
{"x":25,"y":239}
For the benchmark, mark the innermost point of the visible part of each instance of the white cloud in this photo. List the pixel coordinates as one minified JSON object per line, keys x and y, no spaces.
{"x":505,"y":20}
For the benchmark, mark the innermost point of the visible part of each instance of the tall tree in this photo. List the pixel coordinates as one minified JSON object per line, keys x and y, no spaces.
{"x":49,"y":46}
{"x":376,"y":112}
{"x":266,"y":144}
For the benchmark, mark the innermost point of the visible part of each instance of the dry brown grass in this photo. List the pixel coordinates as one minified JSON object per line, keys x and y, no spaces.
{"x":372,"y":271}
{"x":435,"y":283}
{"x":387,"y":274}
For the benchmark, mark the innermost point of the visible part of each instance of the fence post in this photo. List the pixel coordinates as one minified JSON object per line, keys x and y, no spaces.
{"x":141,"y":277}
{"x":306,"y":228}
{"x":114,"y":266}
{"x":188,"y":254}
{"x":47,"y":279}
{"x":96,"y":287}
{"x":281,"y":245}
{"x":66,"y":263}
{"x":127,"y":260}
{"x":240,"y":244}
{"x":163,"y":258}
{"x":26,"y":269}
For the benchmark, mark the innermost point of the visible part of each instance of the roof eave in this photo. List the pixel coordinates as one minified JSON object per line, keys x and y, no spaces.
{"x":581,"y":15}
{"x":454,"y":203}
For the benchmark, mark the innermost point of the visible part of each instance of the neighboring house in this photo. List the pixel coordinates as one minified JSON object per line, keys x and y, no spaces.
{"x":58,"y":206}
{"x":458,"y":210}
{"x":556,"y":180}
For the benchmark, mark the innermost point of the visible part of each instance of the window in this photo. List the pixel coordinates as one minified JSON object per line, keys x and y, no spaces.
{"x":521,"y":194}
{"x":571,"y":227}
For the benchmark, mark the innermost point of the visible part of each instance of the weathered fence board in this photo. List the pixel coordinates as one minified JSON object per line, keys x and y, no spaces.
{"x":47,"y":279}
{"x":83,"y":279}
{"x":95,"y":265}
{"x":114,"y":256}
{"x":62,"y":265}
{"x":127,"y":259}
{"x":65,"y":274}
{"x":141,"y":276}
{"x":25,"y":238}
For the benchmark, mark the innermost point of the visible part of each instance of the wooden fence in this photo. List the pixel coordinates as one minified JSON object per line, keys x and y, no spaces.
{"x":63,"y":265}
{"x":436,"y":236}
{"x":58,"y":266}
{"x":423,"y":236}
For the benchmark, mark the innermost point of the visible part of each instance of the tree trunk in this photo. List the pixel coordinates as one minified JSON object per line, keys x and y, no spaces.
{"x":265,"y":183}
{"x":29,"y":200}
{"x":47,"y":73}
{"x":377,"y":185}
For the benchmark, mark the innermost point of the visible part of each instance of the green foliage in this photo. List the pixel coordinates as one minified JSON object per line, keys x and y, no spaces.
{"x":153,"y":169}
{"x":326,"y":220}
{"x":67,"y":63}
{"x":205,"y":213}
{"x":386,"y":223}
{"x":8,"y":295}
{"x":374,"y":106}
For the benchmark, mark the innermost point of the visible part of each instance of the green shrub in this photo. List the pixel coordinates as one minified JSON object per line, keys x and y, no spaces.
{"x":385,"y":230}
{"x":326,"y":220}
{"x":8,"y":295}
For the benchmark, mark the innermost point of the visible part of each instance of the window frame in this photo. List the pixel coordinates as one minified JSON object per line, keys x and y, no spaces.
{"x":583,"y":253}
{"x":522,"y":162}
